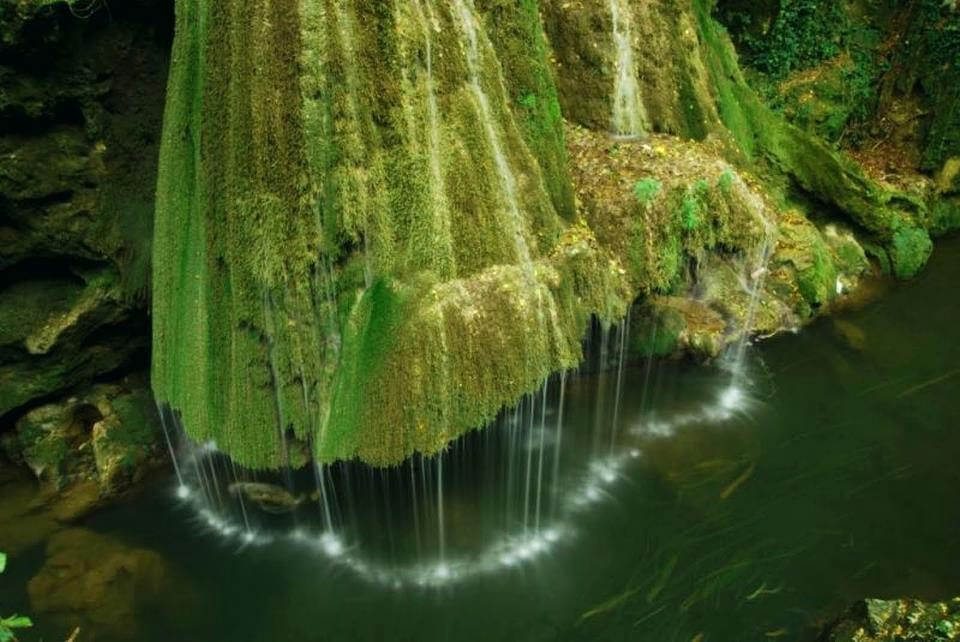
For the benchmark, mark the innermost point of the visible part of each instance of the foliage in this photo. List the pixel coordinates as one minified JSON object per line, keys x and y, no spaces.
{"x":725,"y":182}
{"x":9,"y":624}
{"x":802,"y":34}
{"x":646,"y":189}
{"x":930,"y":57}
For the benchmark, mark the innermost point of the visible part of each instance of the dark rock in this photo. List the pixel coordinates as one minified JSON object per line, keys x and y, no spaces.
{"x":81,"y":102}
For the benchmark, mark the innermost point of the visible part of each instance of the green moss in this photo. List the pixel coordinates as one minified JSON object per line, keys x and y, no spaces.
{"x":945,"y":216}
{"x":725,"y":182}
{"x":817,"y":281}
{"x":371,"y":251}
{"x":909,"y":251}
{"x":690,"y":212}
{"x":655,"y":331}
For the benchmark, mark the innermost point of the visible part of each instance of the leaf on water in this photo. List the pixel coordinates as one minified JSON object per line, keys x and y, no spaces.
{"x":3,"y":561}
{"x":928,"y":383}
{"x":736,"y":483}
{"x":610,"y":605}
{"x":662,"y":580}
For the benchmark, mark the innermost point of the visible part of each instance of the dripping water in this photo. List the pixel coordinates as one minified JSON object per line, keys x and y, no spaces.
{"x":508,"y":182}
{"x":628,"y":111}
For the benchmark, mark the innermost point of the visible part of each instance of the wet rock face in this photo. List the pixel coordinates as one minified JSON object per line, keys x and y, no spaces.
{"x":897,"y":621}
{"x":108,"y":436}
{"x":97,"y":583}
{"x":81,"y":103}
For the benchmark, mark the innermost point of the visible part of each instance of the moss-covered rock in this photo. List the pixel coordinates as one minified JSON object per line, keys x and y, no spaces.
{"x":909,"y":251}
{"x":109,"y":435}
{"x":369,"y":243}
{"x":667,"y":326}
{"x":366,"y":239}
{"x":79,"y":124}
{"x":897,"y":621}
{"x":60,"y":331}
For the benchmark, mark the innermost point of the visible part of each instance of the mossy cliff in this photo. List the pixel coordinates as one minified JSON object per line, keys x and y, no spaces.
{"x":365,"y":235}
{"x":80,"y":117}
{"x":367,"y":240}
{"x":693,"y":87}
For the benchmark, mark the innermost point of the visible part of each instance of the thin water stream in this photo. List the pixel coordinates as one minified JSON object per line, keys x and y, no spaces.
{"x":629,"y":115}
{"x":681,"y":510}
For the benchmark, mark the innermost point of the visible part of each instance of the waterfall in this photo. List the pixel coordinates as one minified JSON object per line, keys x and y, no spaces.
{"x":629,"y":117}
{"x":508,"y":182}
{"x":438,"y":197}
{"x":753,"y":280}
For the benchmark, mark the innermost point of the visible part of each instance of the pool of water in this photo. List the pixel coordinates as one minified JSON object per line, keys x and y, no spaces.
{"x":690,"y":513}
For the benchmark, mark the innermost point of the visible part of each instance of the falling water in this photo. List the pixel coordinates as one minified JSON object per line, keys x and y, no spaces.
{"x":543,"y":430}
{"x":754,"y":277}
{"x":629,"y":117}
{"x":526,"y":486}
{"x":441,"y":521}
{"x":492,"y":500}
{"x":600,"y":408}
{"x":441,"y":222}
{"x":508,"y":182}
{"x":621,"y":364}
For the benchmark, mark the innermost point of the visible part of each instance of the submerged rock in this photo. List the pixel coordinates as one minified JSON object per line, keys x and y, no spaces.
{"x":897,"y":621}
{"x":267,"y":497}
{"x":98,"y":583}
{"x":850,"y":334}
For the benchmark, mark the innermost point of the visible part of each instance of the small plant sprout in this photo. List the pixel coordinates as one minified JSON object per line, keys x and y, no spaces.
{"x":10,"y":624}
{"x":646,"y":189}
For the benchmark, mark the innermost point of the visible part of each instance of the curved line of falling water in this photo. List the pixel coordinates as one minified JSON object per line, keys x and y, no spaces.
{"x":508,"y":182}
{"x":416,"y":510}
{"x":161,"y":411}
{"x":324,"y":498}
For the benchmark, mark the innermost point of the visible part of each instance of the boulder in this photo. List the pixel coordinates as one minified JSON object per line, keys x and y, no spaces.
{"x":108,"y":436}
{"x":97,"y":583}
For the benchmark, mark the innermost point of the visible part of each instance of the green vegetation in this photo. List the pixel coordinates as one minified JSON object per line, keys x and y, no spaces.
{"x":909,"y":251}
{"x":376,"y":247}
{"x":725,"y":182}
{"x":9,"y":625}
{"x":380,"y":256}
{"x":800,"y":34}
{"x":646,"y":189}
{"x":928,"y":59}
{"x":656,"y":332}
